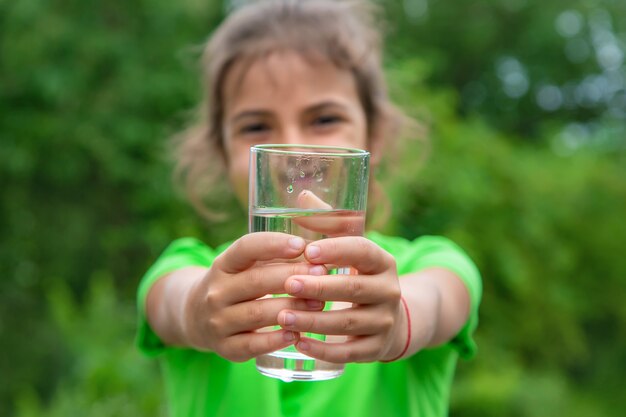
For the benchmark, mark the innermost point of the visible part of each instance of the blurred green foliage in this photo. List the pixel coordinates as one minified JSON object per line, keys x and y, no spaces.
{"x":548,"y":234}
{"x":527,"y":171}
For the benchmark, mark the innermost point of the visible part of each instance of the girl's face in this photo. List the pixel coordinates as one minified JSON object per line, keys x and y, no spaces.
{"x":285,"y":98}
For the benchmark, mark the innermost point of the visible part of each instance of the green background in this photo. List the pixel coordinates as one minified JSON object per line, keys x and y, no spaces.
{"x":524,"y":102}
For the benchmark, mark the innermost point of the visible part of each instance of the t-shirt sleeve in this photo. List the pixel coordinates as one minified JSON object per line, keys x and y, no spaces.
{"x":179,"y":254}
{"x":436,"y":251}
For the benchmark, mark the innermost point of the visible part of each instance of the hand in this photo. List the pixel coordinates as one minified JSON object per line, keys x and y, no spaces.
{"x":224,"y":309}
{"x":376,"y":322}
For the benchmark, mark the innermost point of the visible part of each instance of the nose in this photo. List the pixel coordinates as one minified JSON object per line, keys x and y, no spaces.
{"x":293,"y":135}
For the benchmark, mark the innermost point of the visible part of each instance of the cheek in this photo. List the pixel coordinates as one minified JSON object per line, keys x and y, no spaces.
{"x":360,"y":138}
{"x":238,"y":174}
{"x":350,"y":136}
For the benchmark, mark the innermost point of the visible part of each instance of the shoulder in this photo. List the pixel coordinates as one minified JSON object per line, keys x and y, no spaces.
{"x":426,"y":251}
{"x":399,"y":246}
{"x":193,"y":248}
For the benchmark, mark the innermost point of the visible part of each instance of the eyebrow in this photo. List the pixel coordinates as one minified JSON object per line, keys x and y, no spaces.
{"x":265,"y":113}
{"x":326,"y":104}
{"x":251,"y":113}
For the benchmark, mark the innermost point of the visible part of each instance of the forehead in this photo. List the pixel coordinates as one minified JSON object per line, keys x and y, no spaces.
{"x":286,"y":73}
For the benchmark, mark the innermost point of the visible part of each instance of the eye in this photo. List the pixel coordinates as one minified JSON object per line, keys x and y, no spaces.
{"x":326,"y":120}
{"x":254,"y":128}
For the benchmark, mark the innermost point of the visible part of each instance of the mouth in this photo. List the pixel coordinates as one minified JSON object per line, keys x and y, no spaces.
{"x":307,"y":177}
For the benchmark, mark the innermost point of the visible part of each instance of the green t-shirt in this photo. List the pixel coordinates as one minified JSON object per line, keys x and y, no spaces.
{"x":204,"y":384}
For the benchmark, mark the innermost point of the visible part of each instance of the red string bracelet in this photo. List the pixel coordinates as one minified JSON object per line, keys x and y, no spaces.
{"x":408,"y":338}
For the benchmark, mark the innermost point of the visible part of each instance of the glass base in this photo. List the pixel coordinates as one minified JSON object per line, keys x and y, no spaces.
{"x":294,"y":366}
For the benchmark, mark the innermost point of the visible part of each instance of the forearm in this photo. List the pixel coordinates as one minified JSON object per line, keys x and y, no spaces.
{"x":438,"y":305}
{"x":166,"y":301}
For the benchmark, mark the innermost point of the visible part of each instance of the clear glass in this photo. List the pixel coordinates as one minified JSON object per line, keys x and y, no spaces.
{"x":314,"y":192}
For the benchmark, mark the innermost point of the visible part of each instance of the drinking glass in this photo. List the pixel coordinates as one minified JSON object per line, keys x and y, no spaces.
{"x":314,"y":192}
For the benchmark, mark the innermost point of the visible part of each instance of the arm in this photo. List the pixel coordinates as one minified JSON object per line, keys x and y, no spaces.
{"x":439,"y":306}
{"x":165,"y":305}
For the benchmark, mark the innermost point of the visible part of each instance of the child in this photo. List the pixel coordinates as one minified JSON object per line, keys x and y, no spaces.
{"x":302,"y":72}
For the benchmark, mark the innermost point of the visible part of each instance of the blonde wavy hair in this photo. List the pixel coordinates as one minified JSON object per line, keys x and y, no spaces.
{"x":344,"y":32}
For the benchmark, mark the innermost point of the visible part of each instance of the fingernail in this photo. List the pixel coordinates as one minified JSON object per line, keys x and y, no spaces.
{"x":289,"y":336}
{"x":314,"y":304}
{"x":296,"y":243}
{"x":289,"y":319}
{"x":303,"y":346}
{"x":317,"y":270}
{"x":295,"y":287}
{"x":313,"y":251}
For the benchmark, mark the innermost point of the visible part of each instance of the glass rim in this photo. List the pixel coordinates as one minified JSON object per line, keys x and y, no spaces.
{"x":282,"y":148}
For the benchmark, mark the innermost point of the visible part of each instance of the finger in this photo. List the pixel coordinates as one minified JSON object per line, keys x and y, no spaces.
{"x":259,"y":246}
{"x":308,"y":200}
{"x":244,"y":346}
{"x":257,"y":314}
{"x":261,"y":280}
{"x":297,"y":259}
{"x":359,"y":252}
{"x":329,"y":222}
{"x":349,"y":322}
{"x":360,"y":349}
{"x":360,"y":289}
